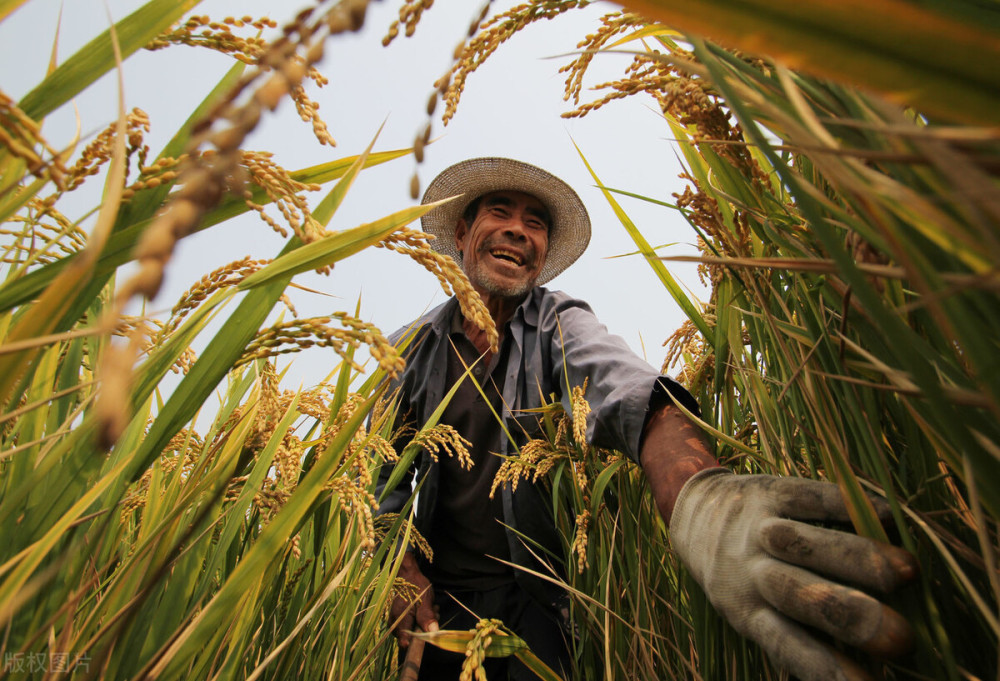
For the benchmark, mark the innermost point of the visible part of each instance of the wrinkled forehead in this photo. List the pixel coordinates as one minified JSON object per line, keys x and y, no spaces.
{"x":532,"y":204}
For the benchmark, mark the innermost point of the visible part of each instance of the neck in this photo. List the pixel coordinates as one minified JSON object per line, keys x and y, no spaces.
{"x":501,"y":309}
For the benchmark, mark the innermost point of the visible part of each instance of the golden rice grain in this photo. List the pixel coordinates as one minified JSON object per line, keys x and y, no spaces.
{"x":449,"y":275}
{"x":44,"y":235}
{"x":19,"y":134}
{"x":229,"y":274}
{"x":200,"y":31}
{"x":409,"y":16}
{"x":111,"y":408}
{"x":490,"y":36}
{"x":579,"y":545}
{"x":475,"y":649}
{"x":581,"y":410}
{"x":298,"y":334}
{"x":534,"y":460}
{"x":444,"y":438}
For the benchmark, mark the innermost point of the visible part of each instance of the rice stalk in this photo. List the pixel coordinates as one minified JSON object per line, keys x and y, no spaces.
{"x":841,"y":336}
{"x":174,"y":551}
{"x":850,"y":247}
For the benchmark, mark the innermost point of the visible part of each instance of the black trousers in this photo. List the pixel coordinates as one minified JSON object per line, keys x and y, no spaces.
{"x":521,"y":613}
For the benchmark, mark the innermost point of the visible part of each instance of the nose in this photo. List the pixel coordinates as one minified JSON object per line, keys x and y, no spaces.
{"x":515,"y":228}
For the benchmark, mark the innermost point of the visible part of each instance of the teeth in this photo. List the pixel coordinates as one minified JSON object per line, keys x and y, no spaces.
{"x":508,"y":255}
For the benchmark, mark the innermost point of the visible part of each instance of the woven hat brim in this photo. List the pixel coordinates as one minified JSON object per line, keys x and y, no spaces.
{"x":570,"y":230}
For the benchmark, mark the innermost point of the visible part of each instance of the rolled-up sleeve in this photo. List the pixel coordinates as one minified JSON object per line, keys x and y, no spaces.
{"x":622,"y":388}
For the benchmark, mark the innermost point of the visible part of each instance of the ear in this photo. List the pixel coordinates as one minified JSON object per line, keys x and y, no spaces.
{"x":461,"y":229}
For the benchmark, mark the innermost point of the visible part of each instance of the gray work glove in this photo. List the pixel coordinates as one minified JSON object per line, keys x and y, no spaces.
{"x":739,"y":537}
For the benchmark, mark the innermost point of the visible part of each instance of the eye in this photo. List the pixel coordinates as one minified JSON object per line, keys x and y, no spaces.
{"x":536,"y":223}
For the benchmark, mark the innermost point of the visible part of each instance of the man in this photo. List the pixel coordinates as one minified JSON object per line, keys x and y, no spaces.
{"x":513,"y":229}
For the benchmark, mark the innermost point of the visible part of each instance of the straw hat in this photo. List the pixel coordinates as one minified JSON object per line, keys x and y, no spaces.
{"x":570,"y":230}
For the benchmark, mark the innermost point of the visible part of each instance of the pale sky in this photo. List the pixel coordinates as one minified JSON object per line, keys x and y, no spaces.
{"x":510,"y":108}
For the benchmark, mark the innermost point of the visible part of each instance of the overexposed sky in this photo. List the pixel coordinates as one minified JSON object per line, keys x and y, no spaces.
{"x":510,"y":108}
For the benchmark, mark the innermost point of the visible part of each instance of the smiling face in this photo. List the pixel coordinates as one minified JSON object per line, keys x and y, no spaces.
{"x":505,"y":246}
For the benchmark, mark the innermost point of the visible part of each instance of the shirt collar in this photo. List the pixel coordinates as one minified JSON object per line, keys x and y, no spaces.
{"x":529,"y":308}
{"x":441,"y":322}
{"x":449,"y":320}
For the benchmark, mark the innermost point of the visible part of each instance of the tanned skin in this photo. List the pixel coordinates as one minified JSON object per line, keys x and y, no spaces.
{"x":503,"y":251}
{"x":672,"y":450}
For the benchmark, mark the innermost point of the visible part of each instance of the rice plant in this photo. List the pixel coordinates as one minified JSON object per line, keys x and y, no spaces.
{"x":844,"y":201}
{"x":138,"y":542}
{"x":841,"y":184}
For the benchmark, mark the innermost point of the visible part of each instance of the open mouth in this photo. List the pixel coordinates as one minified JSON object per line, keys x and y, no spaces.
{"x":507,"y":256}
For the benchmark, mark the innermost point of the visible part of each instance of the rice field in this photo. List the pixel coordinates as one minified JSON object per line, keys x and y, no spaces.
{"x":841,"y":183}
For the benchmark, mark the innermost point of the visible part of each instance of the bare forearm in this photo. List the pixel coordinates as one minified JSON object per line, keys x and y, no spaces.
{"x":673,"y":449}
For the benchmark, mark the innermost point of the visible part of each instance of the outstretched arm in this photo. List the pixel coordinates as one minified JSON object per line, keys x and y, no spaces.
{"x":750,"y":542}
{"x":672,"y":450}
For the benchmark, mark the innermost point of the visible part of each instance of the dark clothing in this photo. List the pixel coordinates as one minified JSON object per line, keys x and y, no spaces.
{"x":467,"y":531}
{"x":552,"y":344}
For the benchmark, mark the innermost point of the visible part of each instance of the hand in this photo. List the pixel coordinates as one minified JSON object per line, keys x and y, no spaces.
{"x":761,"y":569}
{"x":420,"y":611}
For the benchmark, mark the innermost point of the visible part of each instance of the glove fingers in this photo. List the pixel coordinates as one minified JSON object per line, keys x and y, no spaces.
{"x":847,"y":614}
{"x":840,"y":555}
{"x":806,"y":499}
{"x":792,"y":648}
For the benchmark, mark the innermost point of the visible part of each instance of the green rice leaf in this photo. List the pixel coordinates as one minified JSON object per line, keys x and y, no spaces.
{"x":97,"y":57}
{"x":647,"y":251}
{"x":335,"y":247}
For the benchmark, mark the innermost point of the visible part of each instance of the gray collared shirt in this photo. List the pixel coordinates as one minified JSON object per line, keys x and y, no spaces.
{"x":553,"y":343}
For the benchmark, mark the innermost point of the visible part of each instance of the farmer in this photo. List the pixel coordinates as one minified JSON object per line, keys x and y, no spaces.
{"x":514,"y":228}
